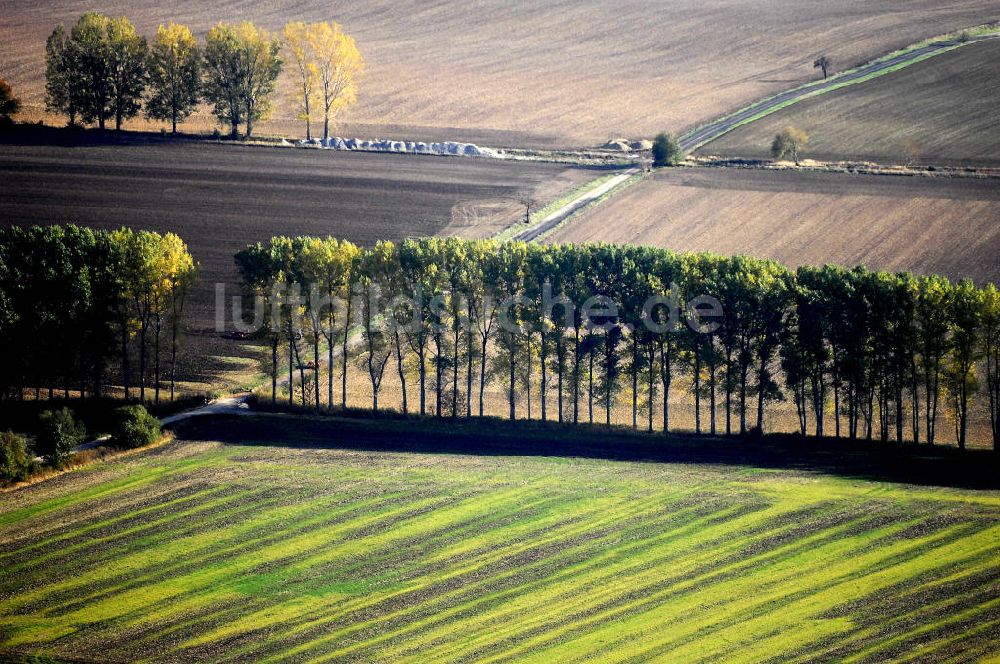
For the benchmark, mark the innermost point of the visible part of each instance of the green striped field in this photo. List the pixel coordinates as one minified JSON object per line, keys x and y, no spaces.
{"x":227,"y":552}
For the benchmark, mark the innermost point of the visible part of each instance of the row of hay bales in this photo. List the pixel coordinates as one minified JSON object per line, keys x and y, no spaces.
{"x":449,"y":148}
{"x":625,"y":145}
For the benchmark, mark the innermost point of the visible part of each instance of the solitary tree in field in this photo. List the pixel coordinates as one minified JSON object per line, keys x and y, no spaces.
{"x":174,"y":74}
{"x":824,"y":63}
{"x":9,"y":104}
{"x":338,"y":65}
{"x":789,"y":144}
{"x":666,"y":151}
{"x":242,"y":64}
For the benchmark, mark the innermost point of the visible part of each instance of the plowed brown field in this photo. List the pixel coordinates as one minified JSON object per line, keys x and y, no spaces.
{"x":542,"y":71}
{"x":928,"y":225}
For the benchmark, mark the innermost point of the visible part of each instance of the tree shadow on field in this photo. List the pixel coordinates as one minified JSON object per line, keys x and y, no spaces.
{"x":919,"y":465}
{"x":26,"y":134}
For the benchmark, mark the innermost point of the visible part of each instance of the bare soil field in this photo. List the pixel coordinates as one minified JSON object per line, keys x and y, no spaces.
{"x":550,"y":72}
{"x":219,"y":198}
{"x":949,"y":226}
{"x":940,"y":111}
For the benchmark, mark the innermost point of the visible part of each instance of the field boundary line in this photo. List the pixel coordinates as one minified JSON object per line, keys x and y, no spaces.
{"x":895,"y":61}
{"x":588,"y":196}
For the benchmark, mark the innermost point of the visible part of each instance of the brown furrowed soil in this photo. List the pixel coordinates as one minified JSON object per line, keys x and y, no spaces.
{"x":219,"y":198}
{"x":942,"y":111}
{"x":563,"y":72}
{"x":948,"y":226}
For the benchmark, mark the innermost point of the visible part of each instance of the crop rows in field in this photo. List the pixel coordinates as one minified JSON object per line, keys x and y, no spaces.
{"x":203,"y":550}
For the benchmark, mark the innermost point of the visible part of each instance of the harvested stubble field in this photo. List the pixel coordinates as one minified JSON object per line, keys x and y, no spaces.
{"x":940,"y":225}
{"x":219,"y":198}
{"x":350,"y":541}
{"x":543,"y":72}
{"x":940,"y":111}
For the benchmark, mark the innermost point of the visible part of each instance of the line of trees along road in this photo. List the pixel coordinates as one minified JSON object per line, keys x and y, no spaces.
{"x":881,"y":355}
{"x":103,"y":69}
{"x":75,"y":304}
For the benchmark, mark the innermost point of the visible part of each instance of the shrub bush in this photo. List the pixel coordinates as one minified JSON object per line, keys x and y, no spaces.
{"x":134,"y":427}
{"x":666,"y":151}
{"x":15,"y":459}
{"x":58,"y":433}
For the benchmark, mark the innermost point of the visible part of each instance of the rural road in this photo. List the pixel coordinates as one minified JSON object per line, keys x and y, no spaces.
{"x":713,"y":130}
{"x":582,"y":201}
{"x":224,"y":406}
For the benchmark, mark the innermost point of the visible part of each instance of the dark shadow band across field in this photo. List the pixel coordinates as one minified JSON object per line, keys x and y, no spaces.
{"x":869,"y":460}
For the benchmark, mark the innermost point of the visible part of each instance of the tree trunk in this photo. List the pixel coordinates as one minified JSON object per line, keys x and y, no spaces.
{"x":543,"y":388}
{"x":437,"y":374}
{"x":329,"y":369}
{"x":274,"y":370}
{"x":836,"y":395}
{"x":454,"y":374}
{"x":528,"y":377}
{"x":173,"y":358}
{"x":760,"y":392}
{"x":482,"y":373}
{"x":468,"y":369}
{"x":635,"y":383}
{"x":316,"y":368}
{"x":510,"y":393}
{"x":156,"y":361}
{"x":650,"y":370}
{"x":343,"y":352}
{"x":125,"y":367}
{"x":302,"y":372}
{"x":665,"y":379}
{"x":729,"y":391}
{"x":142,"y":361}
{"x":576,"y":375}
{"x":399,"y":370}
{"x":422,"y":370}
{"x":305,"y":97}
{"x":560,"y":370}
{"x":590,"y":387}
{"x":697,"y":391}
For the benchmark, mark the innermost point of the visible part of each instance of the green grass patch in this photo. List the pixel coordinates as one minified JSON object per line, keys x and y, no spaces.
{"x":538,"y":216}
{"x":236,"y":552}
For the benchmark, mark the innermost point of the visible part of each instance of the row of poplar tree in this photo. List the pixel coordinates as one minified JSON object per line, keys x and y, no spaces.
{"x":80,"y":308}
{"x":103,"y":69}
{"x":886,"y":353}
